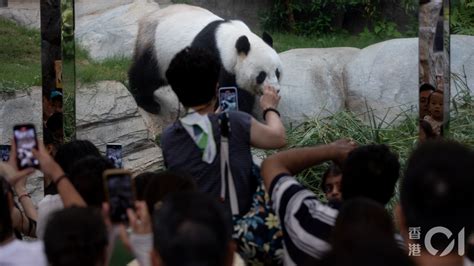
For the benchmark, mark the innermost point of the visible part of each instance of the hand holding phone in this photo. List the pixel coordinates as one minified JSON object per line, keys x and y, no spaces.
{"x":228,"y":100}
{"x":120,"y":193}
{"x":25,"y":141}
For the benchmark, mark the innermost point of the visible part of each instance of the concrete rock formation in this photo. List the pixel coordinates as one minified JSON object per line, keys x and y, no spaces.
{"x":381,"y":76}
{"x":18,"y":108}
{"x":112,"y":33}
{"x":106,"y":112}
{"x":312,"y":83}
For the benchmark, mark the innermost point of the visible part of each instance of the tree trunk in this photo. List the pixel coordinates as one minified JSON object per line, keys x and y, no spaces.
{"x":289,"y":12}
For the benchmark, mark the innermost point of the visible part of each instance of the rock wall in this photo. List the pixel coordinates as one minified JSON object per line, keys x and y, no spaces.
{"x":107,"y":113}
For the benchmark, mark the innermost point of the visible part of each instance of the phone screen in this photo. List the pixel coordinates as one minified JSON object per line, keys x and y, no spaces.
{"x":114,"y":154}
{"x":25,"y":139}
{"x":228,"y":99}
{"x":5,"y":152}
{"x":120,"y":192}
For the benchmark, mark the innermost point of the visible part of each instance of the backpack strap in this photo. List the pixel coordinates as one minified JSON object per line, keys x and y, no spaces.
{"x":226,"y":174}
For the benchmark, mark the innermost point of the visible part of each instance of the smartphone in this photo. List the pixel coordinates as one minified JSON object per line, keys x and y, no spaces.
{"x":5,"y":152}
{"x":228,"y":99}
{"x":120,"y":193}
{"x":26,"y":140}
{"x":113,"y":153}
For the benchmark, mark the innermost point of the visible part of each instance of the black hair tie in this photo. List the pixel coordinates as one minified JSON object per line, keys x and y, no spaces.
{"x":268,"y":110}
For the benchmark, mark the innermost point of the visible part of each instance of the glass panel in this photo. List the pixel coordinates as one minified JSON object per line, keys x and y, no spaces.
{"x":434,"y":68}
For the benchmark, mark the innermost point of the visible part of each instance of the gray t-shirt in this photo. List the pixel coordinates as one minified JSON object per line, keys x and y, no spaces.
{"x":181,"y":154}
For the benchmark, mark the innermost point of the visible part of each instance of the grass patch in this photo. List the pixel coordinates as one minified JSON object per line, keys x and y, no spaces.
{"x":20,"y":57}
{"x":90,"y":71}
{"x":284,"y":41}
{"x":400,"y":137}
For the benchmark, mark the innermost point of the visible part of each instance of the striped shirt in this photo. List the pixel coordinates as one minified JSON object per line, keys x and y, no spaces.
{"x":306,"y":222}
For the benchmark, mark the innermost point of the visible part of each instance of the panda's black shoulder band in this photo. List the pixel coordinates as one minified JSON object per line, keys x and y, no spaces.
{"x":268,"y":110}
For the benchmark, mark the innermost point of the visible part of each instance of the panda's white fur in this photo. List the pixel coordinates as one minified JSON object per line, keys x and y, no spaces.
{"x":171,"y":29}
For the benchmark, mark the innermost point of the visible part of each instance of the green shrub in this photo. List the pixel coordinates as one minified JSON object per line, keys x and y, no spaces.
{"x":462,"y":17}
{"x":306,"y":17}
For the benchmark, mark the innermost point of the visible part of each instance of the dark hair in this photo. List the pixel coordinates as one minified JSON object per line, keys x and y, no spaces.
{"x":75,"y":236}
{"x":141,"y":183}
{"x":86,"y":176}
{"x":55,"y":122}
{"x":191,"y":228}
{"x":193,"y":75}
{"x":364,"y":235}
{"x":370,"y":171}
{"x":360,"y":216}
{"x":332,"y":170}
{"x":6,"y":224}
{"x":163,"y":183}
{"x":436,"y":189}
{"x":71,"y":152}
{"x":427,"y":87}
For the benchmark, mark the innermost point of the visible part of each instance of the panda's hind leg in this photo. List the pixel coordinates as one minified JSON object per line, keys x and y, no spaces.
{"x":144,"y":79}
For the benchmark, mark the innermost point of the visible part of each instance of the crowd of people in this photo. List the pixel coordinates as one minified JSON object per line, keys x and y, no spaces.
{"x":215,"y":206}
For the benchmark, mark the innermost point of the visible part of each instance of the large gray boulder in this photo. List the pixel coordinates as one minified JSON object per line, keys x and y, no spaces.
{"x":383,"y":78}
{"x":90,"y":7}
{"x":106,"y":112}
{"x":312,"y":83}
{"x":462,"y":59}
{"x":112,"y":33}
{"x":17,"y":108}
{"x":24,"y":15}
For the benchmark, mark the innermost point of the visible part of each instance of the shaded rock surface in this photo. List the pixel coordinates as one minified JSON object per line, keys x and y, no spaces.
{"x":19,"y":108}
{"x":112,"y":33}
{"x":462,"y":59}
{"x":106,"y":113}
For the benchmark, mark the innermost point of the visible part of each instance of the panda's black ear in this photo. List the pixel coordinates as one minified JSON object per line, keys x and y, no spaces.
{"x":243,"y":45}
{"x":267,"y":38}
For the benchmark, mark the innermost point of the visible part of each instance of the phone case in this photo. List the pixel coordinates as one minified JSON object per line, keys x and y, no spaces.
{"x":25,"y":158}
{"x":228,"y":99}
{"x":118,"y":213}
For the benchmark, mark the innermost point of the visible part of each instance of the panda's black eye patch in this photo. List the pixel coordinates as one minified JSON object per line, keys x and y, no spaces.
{"x":261,"y":77}
{"x":277,"y":73}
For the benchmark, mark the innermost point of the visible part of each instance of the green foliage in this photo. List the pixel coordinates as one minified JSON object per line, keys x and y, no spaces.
{"x":285,"y":41}
{"x":67,"y":30}
{"x":90,"y":71}
{"x":462,"y":17}
{"x":383,"y":30}
{"x":319,"y":16}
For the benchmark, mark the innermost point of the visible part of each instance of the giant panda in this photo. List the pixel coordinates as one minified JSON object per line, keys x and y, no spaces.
{"x":247,"y":61}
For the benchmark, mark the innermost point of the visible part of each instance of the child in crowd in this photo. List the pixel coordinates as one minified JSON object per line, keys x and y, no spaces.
{"x":435,"y":107}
